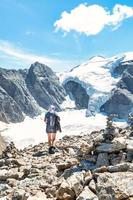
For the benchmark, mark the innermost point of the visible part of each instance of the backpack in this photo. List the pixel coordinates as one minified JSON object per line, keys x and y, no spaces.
{"x":57,"y":124}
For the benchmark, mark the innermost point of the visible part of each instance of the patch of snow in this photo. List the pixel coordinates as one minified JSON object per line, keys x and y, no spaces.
{"x":128,"y":56}
{"x":32,"y":131}
{"x":68,"y":103}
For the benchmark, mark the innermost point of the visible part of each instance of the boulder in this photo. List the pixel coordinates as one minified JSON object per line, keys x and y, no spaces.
{"x":76,"y":182}
{"x":67,"y":164}
{"x":19,"y":194}
{"x":87,"y":194}
{"x":115,"y":186}
{"x":121,"y":167}
{"x":102,"y":160}
{"x":6,"y":174}
{"x":92,"y":186}
{"x":65,"y":192}
{"x":110,"y":147}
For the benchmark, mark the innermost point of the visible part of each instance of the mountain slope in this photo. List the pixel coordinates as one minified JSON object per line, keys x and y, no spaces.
{"x":26,"y":92}
{"x":97,"y":79}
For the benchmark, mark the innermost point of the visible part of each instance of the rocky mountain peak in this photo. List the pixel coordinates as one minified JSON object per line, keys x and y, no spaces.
{"x":106,"y":82}
{"x":28,"y":91}
{"x":97,"y":58}
{"x":41,"y":70}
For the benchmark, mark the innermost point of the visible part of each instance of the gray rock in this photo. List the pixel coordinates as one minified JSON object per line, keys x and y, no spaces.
{"x":38,"y":196}
{"x":76,"y":182}
{"x":121,"y":100}
{"x":127,"y":79}
{"x":78,"y":93}
{"x":121,"y":68}
{"x":87,"y":194}
{"x":12,"y":173}
{"x":65,"y":192}
{"x":114,"y":186}
{"x":10,"y":111}
{"x":130,"y":145}
{"x":65,"y":165}
{"x":88,"y":177}
{"x":19,"y":194}
{"x":120,"y":167}
{"x":3,"y":187}
{"x":111,"y":147}
{"x":92,"y":186}
{"x":129,"y":156}
{"x":120,"y":103}
{"x":102,"y":160}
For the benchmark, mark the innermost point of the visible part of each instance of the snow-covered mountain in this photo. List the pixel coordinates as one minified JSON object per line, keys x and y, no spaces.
{"x":93,"y":83}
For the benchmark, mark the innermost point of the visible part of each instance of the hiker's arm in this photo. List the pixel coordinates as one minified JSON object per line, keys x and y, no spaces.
{"x":45,"y":118}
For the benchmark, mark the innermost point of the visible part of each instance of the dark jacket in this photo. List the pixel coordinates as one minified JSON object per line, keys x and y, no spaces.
{"x":52,"y":122}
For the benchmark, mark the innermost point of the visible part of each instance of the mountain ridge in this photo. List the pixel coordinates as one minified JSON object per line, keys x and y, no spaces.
{"x":17,"y":98}
{"x":98,"y":85}
{"x":99,"y":79}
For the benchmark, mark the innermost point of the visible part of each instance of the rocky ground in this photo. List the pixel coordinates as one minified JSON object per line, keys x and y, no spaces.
{"x":87,"y":167}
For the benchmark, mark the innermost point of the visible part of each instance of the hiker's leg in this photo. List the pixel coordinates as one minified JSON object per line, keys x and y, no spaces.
{"x":53,"y":138}
{"x":50,"y":139}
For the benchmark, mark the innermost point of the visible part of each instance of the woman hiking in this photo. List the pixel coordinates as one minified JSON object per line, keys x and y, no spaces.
{"x":52,"y":126}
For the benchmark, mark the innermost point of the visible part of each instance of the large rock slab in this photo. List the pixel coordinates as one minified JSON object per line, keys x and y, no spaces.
{"x":115,"y":186}
{"x":120,"y":103}
{"x":102,"y":160}
{"x":110,"y":147}
{"x":87,"y":194}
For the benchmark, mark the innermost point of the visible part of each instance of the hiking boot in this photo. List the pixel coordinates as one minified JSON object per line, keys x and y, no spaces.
{"x":51,"y":151}
{"x":55,"y":149}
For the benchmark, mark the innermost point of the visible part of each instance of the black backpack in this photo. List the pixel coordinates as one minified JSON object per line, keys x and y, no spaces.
{"x":57,"y":124}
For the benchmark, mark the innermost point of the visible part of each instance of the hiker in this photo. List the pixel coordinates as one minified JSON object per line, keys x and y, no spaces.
{"x":52,"y":126}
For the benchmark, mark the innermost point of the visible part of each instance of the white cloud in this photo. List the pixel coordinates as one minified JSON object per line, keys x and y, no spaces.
{"x":9,"y":51}
{"x":14,"y":57}
{"x":91,"y":20}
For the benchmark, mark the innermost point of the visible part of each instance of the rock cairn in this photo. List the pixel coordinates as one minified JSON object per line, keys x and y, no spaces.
{"x":84,"y":167}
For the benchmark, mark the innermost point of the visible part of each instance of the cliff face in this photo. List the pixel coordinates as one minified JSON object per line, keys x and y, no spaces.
{"x":44,"y":86}
{"x":24,"y":92}
{"x":121,"y":100}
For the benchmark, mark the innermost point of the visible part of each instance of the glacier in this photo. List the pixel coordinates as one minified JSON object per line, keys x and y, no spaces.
{"x":96,"y":76}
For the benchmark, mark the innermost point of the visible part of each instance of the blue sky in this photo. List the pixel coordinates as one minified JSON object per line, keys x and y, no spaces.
{"x":63,"y":33}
